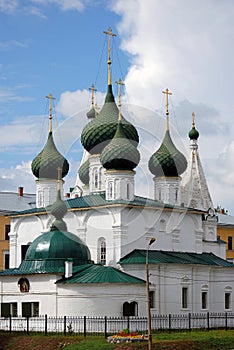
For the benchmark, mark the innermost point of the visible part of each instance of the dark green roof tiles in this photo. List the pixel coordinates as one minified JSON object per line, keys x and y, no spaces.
{"x":120,"y":153}
{"x":47,"y":162}
{"x":99,"y":131}
{"x":167,"y":160}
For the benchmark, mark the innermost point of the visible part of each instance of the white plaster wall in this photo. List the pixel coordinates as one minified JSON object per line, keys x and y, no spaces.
{"x":99,"y":300}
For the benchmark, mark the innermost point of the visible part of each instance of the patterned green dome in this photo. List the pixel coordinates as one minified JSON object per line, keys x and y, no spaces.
{"x":167,"y":160}
{"x":47,"y":162}
{"x":84,"y":172}
{"x":99,"y":131}
{"x":120,"y":153}
{"x":193,"y":134}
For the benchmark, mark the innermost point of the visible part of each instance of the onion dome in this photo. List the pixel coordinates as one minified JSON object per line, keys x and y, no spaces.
{"x":193,"y":133}
{"x":98,"y":132}
{"x":167,"y":160}
{"x":84,"y":172}
{"x":46,"y":163}
{"x":91,"y":113}
{"x":50,"y":250}
{"x":120,"y":153}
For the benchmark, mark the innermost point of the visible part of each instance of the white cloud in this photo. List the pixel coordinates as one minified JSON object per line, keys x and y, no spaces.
{"x":20,"y":175}
{"x":64,"y":5}
{"x":8,"y":6}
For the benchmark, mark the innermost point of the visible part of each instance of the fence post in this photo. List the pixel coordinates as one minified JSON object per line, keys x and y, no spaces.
{"x":169,"y":323}
{"x":10,"y":323}
{"x":128,"y":323}
{"x":208,"y":321}
{"x":65,"y":325}
{"x":84,"y":326}
{"x":27,"y":319}
{"x":226,"y":321}
{"x":105,"y":327}
{"x":189,"y":321}
{"x":45,"y":324}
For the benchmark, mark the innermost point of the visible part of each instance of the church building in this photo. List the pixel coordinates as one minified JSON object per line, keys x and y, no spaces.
{"x":87,"y":255}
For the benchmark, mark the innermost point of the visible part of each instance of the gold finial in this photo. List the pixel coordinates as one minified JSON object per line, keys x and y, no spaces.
{"x":59,"y":177}
{"x":51,"y":98}
{"x":167,"y":93}
{"x":193,"y":120}
{"x":92,"y":97}
{"x":119,"y":83}
{"x":110,"y":34}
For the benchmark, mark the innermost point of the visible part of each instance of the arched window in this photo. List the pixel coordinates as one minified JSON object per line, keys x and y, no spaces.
{"x":102,"y":251}
{"x":24,"y":285}
{"x":130,"y":309}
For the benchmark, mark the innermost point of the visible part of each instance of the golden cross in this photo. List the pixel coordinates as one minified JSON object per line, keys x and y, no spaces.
{"x":93,"y":91}
{"x":167,"y":93}
{"x":110,"y":34}
{"x":193,"y":120}
{"x":119,"y":83}
{"x":51,"y":98}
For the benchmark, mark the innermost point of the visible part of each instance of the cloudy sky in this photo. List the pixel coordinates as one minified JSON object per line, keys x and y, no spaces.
{"x":58,"y":46}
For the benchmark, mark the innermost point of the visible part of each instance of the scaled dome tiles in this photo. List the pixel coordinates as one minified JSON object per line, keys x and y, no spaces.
{"x":47,"y":162}
{"x":98,"y":132}
{"x":120,"y":153}
{"x":167,"y":160}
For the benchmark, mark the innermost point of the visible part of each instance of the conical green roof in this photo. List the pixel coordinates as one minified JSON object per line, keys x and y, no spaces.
{"x":99,"y":131}
{"x":47,"y":162}
{"x":120,"y":153}
{"x":167,"y":160}
{"x":84,"y":172}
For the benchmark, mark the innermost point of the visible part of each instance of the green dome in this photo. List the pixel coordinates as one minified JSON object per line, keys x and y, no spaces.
{"x":53,"y":248}
{"x":193,"y":134}
{"x":92,"y":113}
{"x":167,"y":160}
{"x":47,"y":162}
{"x":120,"y":153}
{"x":99,"y":131}
{"x":84,"y":172}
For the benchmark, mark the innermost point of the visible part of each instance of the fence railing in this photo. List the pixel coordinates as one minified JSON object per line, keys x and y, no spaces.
{"x":109,"y":325}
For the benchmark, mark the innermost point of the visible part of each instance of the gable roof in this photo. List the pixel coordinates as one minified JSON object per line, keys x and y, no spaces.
{"x":138,"y":256}
{"x":98,"y":273}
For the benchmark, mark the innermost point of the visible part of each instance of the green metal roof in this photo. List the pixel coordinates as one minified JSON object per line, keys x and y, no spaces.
{"x":138,"y":256}
{"x":97,"y":273}
{"x":98,"y":200}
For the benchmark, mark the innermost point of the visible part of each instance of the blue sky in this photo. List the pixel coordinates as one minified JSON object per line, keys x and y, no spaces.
{"x":58,"y":46}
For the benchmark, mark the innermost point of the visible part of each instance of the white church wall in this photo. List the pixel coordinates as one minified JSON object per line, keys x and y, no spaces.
{"x":100,"y":300}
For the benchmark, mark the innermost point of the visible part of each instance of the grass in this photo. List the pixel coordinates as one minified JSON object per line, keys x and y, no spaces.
{"x":194,"y":340}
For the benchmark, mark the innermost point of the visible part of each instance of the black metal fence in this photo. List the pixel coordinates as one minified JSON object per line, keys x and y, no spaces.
{"x":111,"y":325}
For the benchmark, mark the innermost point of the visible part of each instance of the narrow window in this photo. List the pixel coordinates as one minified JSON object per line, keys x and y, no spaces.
{"x":227,"y":301}
{"x":102,"y":251}
{"x":229,"y":243}
{"x":159,"y":194}
{"x":111,"y":190}
{"x":128,"y":191}
{"x":6,"y":259}
{"x":204,"y":300}
{"x":24,"y":249}
{"x":130,"y":309}
{"x":151,"y":298}
{"x":184,"y":297}
{"x":96,"y":179}
{"x":162,"y":225}
{"x":7,"y":230}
